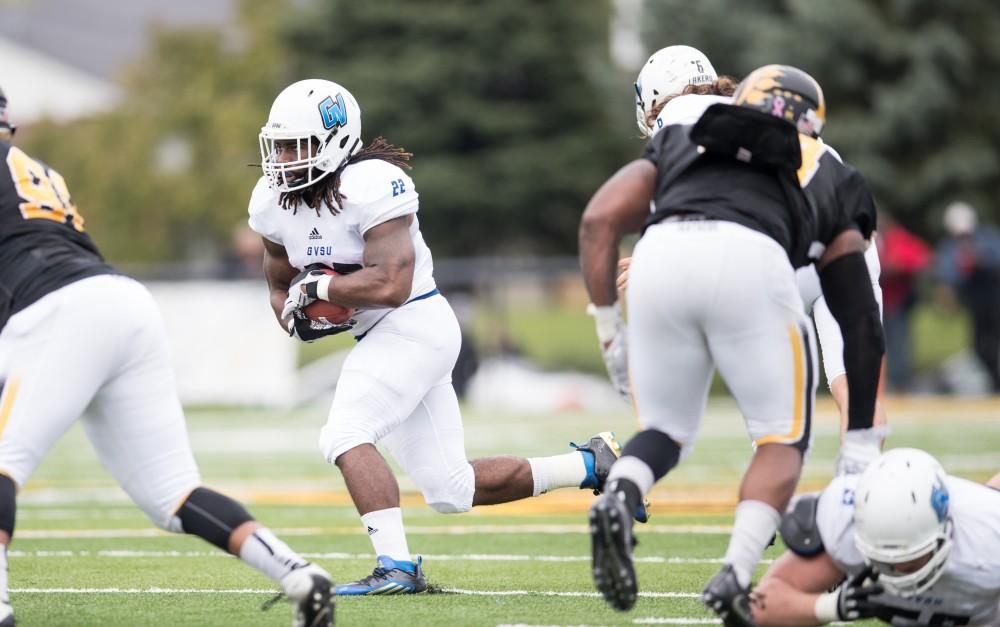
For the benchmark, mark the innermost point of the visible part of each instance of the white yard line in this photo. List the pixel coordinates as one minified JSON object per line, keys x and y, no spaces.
{"x":45,"y":534}
{"x":654,"y":620}
{"x":487,"y":593}
{"x":450,"y":557}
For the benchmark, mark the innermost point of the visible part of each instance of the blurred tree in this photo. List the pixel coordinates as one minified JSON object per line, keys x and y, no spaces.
{"x":912,"y":100}
{"x":165,"y":175}
{"x":501,"y":103}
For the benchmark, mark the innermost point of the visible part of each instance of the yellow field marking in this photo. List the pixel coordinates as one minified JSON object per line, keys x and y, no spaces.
{"x":668,"y":501}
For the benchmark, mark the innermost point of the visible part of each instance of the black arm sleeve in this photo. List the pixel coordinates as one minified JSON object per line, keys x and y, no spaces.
{"x":847,"y":289}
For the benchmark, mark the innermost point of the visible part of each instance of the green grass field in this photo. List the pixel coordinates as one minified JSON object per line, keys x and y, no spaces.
{"x":83,"y":555}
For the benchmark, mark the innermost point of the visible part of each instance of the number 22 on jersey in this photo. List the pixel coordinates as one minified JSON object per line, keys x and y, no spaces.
{"x":43,"y":191}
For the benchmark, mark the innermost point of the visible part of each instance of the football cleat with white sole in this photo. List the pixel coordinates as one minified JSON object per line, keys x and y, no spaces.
{"x":599,"y":453}
{"x":728,"y":599}
{"x":389,"y":577}
{"x":611,"y":543}
{"x":6,"y":615}
{"x":310,"y":590}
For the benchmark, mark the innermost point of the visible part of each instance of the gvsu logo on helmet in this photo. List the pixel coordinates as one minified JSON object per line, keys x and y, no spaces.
{"x":333,"y":112}
{"x":939,"y":500}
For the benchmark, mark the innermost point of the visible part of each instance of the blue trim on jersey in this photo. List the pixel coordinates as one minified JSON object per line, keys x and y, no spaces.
{"x":433,"y":292}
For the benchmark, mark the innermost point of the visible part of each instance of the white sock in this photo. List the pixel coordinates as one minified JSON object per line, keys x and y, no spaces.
{"x":635,"y":470}
{"x":557,"y":471}
{"x":385,"y":529}
{"x":267,"y":553}
{"x":4,"y":597}
{"x":755,"y":525}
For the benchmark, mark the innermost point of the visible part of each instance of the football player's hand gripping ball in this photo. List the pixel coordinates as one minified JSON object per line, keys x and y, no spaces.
{"x":307,"y":287}
{"x":302,"y":328}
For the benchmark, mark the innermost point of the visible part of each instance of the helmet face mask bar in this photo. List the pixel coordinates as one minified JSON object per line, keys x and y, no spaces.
{"x":298,"y":173}
{"x":903,"y":527}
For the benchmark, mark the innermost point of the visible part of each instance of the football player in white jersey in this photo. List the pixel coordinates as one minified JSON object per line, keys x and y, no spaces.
{"x":675,"y":86}
{"x":916,"y":546}
{"x":81,"y":341}
{"x":325,"y":199}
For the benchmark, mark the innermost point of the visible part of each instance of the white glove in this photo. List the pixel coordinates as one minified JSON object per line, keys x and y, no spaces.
{"x":858,"y":449}
{"x":614,"y":348}
{"x":307,"y":287}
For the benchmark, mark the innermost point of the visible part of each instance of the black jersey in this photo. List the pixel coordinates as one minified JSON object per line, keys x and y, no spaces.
{"x":802,"y":210}
{"x":42,"y":242}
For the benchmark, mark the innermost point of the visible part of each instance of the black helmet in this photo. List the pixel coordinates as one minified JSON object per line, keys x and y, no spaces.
{"x":785,"y":92}
{"x":6,"y":128}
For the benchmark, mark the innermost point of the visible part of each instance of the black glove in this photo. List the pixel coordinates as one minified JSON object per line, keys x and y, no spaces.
{"x":302,"y":328}
{"x":854,"y":598}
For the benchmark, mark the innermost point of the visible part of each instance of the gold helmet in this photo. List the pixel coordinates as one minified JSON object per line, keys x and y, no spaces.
{"x":785,"y":92}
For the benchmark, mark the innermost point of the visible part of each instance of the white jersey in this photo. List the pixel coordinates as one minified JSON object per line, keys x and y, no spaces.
{"x":968,"y":592}
{"x":374,"y":192}
{"x":688,"y":109}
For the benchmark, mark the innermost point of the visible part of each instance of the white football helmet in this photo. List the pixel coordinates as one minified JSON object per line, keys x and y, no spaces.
{"x":667,"y":72}
{"x":323,"y":119}
{"x":901,"y":515}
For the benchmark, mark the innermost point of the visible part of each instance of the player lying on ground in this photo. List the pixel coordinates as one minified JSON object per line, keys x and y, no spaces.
{"x":324,"y":199}
{"x":916,"y":546}
{"x":712,"y":284}
{"x":75,"y":332}
{"x":675,"y":86}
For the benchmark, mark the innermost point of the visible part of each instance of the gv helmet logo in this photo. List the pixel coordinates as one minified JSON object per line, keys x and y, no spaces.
{"x":939,"y":500}
{"x":333,"y":112}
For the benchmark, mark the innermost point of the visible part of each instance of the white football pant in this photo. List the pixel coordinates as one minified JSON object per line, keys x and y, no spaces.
{"x":396,"y":389}
{"x":98,"y":342}
{"x":706,"y":294}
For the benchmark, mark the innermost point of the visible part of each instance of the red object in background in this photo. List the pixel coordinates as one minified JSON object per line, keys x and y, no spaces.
{"x":902,"y":256}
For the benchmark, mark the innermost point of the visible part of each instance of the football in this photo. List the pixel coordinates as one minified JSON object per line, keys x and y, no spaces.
{"x":327,"y":312}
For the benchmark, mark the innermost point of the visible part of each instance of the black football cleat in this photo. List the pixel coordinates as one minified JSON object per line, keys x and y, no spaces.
{"x":311,"y":592}
{"x":611,"y":543}
{"x":599,"y":454}
{"x":728,"y":599}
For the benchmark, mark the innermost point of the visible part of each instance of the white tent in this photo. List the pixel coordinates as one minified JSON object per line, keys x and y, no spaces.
{"x":39,"y":86}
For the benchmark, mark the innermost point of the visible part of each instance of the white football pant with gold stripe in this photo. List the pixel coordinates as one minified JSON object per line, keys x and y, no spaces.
{"x":714,"y":294}
{"x":98,"y":343}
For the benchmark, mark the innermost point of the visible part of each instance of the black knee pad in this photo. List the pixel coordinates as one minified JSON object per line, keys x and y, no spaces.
{"x":8,"y":504}
{"x":656,"y":449}
{"x":212,"y":516}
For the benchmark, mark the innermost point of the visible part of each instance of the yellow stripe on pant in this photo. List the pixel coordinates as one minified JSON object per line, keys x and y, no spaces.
{"x":7,"y":402}
{"x":799,"y":392}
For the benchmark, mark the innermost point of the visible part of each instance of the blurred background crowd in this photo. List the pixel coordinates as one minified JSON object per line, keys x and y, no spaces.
{"x":515,"y":112}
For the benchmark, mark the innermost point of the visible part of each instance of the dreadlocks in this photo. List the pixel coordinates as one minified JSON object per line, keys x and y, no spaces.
{"x":327,"y":189}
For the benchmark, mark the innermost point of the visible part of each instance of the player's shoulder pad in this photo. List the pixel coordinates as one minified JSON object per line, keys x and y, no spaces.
{"x":830,"y":150}
{"x":262,"y":198}
{"x":686,"y":109}
{"x":376,"y":181}
{"x":799,"y":527}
